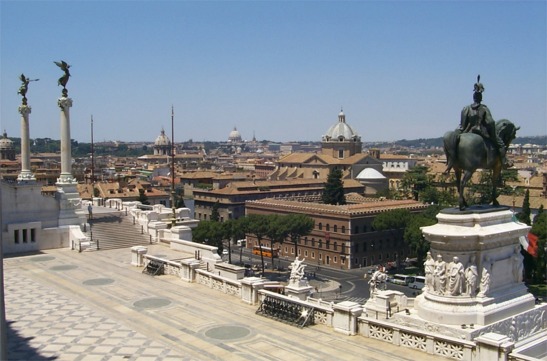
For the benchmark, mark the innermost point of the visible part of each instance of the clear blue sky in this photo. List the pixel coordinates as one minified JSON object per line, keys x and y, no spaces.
{"x":280,"y":69}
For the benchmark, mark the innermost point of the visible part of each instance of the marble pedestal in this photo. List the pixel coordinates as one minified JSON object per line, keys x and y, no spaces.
{"x":486,"y":238}
{"x":300,"y":290}
{"x":68,"y":197}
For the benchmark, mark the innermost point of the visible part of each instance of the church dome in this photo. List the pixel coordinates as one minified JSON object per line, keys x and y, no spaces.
{"x":235,"y":136}
{"x":369,"y":174}
{"x":341,"y":131}
{"x":6,"y":143}
{"x":162,"y":139}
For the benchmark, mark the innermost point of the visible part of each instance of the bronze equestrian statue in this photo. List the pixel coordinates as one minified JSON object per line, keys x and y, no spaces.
{"x":479,"y":142}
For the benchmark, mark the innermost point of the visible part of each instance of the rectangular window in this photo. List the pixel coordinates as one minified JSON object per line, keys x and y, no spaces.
{"x":25,"y":240}
{"x":33,"y":235}
{"x":292,"y":250}
{"x":16,"y":235}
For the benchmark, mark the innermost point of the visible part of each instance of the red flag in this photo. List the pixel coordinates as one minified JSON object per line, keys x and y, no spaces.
{"x":530,"y":244}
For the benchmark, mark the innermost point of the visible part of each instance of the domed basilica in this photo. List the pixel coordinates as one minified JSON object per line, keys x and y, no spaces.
{"x":341,"y":148}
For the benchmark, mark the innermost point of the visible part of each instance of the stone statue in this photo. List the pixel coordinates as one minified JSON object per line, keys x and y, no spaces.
{"x":439,"y":275}
{"x":23,"y":89}
{"x":376,"y":278}
{"x":517,"y":264}
{"x":64,"y":79}
{"x":485,"y":278}
{"x":478,"y":143}
{"x":297,"y":270}
{"x":471,"y":277}
{"x":455,"y":277}
{"x":429,"y":268}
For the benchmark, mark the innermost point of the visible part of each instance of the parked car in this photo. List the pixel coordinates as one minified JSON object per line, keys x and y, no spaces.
{"x":224,"y":252}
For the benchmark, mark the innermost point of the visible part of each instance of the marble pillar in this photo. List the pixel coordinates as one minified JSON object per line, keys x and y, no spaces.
{"x":66,"y":154}
{"x":26,"y":174}
{"x":67,"y":192}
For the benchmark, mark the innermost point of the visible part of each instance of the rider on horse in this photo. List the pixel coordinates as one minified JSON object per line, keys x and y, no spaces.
{"x":476,"y":118}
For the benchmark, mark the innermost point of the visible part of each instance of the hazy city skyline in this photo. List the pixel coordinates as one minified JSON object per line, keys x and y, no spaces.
{"x":279,"y":70}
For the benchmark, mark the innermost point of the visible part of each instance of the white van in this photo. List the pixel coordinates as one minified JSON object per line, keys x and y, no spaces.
{"x":404,"y":280}
{"x":418,"y":284}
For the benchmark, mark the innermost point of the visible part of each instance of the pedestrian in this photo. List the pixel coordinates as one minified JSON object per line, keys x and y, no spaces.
{"x":90,"y":211}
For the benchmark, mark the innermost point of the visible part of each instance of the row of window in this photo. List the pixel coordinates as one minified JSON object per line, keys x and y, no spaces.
{"x":356,"y":229}
{"x":24,"y":235}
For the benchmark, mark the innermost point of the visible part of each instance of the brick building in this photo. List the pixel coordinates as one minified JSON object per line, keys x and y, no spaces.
{"x":343,"y":236}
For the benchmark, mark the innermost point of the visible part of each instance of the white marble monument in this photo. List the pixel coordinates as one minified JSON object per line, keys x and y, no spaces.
{"x":477,"y":277}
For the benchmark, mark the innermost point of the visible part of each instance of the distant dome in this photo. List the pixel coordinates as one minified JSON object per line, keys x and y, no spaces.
{"x":369,"y":173}
{"x":162,"y":139}
{"x":6,"y":143}
{"x":341,"y":131}
{"x":7,"y":149}
{"x":235,"y":136}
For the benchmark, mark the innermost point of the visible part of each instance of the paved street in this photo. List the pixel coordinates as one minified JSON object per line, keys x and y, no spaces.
{"x":64,"y":305}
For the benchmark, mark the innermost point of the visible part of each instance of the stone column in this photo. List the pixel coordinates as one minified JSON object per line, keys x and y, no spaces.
{"x":66,"y":154}
{"x":26,"y":174}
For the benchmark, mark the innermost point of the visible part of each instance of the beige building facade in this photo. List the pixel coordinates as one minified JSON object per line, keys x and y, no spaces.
{"x":343,"y":236}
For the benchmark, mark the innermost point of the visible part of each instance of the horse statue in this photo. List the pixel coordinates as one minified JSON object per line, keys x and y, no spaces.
{"x":466,"y":152}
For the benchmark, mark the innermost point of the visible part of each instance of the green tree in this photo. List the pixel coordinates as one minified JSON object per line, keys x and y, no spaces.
{"x":414,"y":237}
{"x":539,"y":213}
{"x":143,"y":198}
{"x":277,"y":230}
{"x":299,"y":225}
{"x":210,"y":233}
{"x":524,"y":215}
{"x":540,"y":230}
{"x":179,"y":198}
{"x":415,"y":181}
{"x":215,"y":216}
{"x":333,"y":190}
{"x":394,"y":219}
{"x":535,"y":267}
{"x":257,"y":225}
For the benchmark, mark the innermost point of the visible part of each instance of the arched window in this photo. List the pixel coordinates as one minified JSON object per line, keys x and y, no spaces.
{"x":335,"y":228}
{"x":328,"y":227}
{"x":344,"y":229}
{"x":320,"y":226}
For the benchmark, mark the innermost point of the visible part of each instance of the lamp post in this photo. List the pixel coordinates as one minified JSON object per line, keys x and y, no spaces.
{"x":174,"y":220}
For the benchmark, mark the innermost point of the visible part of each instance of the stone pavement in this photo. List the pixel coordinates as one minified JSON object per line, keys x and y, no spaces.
{"x":64,"y":305}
